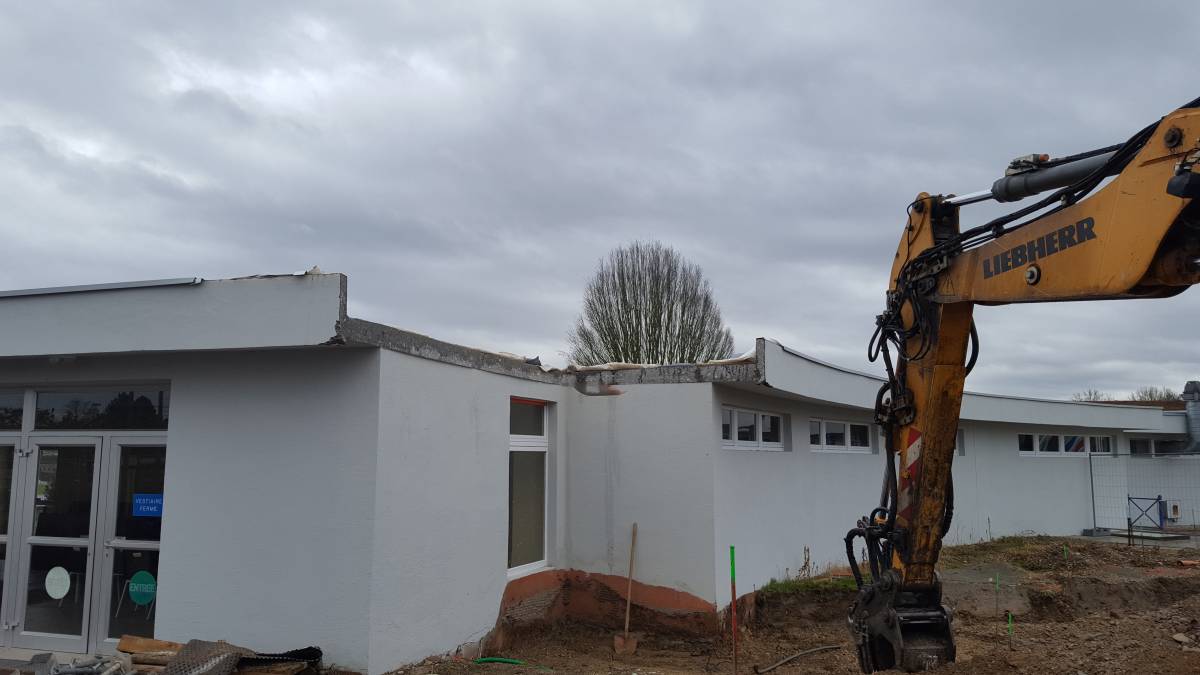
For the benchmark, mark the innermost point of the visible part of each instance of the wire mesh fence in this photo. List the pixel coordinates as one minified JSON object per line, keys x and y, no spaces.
{"x":1146,"y":492}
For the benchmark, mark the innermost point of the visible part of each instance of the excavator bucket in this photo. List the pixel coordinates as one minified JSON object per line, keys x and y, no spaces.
{"x":904,"y":630}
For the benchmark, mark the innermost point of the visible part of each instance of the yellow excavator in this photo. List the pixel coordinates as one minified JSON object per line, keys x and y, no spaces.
{"x":1138,"y":236}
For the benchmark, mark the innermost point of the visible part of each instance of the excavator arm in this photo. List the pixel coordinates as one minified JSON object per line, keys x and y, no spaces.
{"x":1138,"y":236}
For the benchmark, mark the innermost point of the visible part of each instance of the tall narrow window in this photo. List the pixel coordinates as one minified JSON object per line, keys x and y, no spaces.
{"x":527,"y":447}
{"x":747,"y":428}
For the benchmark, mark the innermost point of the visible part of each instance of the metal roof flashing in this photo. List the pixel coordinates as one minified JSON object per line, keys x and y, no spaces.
{"x":90,"y":288}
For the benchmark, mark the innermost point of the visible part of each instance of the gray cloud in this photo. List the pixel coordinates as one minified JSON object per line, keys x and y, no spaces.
{"x":468,"y":163}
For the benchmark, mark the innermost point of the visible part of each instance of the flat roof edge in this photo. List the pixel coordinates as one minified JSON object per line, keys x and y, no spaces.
{"x":966,"y":392}
{"x":88,"y":288}
{"x":362,"y":332}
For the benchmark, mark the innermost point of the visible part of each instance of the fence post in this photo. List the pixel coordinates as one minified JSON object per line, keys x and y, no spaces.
{"x":1092,"y":484}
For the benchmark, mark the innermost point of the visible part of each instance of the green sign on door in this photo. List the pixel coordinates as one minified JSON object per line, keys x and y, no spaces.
{"x":142,"y":588}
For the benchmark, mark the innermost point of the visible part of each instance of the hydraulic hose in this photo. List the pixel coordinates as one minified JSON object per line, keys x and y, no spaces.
{"x":856,"y":532}
{"x":948,"y":515}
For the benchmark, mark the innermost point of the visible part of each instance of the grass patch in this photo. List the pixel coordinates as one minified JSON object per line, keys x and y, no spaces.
{"x":818,"y":584}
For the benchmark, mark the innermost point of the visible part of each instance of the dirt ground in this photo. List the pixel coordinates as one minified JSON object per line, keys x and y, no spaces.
{"x":1093,"y":607}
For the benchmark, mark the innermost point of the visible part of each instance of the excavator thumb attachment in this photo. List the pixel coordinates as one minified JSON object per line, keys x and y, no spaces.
{"x":901,"y":629}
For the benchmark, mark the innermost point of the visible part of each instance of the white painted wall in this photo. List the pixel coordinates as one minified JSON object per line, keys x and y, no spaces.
{"x":284,"y":311}
{"x":773,"y":504}
{"x":268,"y":502}
{"x":644,"y":456}
{"x":1045,"y":494}
{"x":438,"y":568}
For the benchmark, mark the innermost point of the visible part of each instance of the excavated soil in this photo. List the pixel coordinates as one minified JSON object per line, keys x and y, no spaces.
{"x":1095,"y":608}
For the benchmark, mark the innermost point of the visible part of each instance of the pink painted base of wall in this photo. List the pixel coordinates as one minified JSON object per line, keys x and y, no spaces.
{"x":557,"y":595}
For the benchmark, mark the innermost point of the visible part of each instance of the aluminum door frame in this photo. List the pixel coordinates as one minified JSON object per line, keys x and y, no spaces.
{"x":54,"y":641}
{"x":101,"y":587}
{"x":8,"y":614}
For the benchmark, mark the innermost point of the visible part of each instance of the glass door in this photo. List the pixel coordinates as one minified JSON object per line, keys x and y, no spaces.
{"x":59,"y":500}
{"x":126,"y":590}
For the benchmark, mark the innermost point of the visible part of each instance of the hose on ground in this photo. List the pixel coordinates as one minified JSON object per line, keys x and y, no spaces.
{"x":793,"y":657}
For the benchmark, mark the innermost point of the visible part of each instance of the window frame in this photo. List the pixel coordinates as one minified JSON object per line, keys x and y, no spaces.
{"x":1154,"y":453}
{"x":531,"y":444}
{"x":732,"y":443}
{"x":846,"y":448}
{"x":33,"y":397}
{"x":1062,"y":444}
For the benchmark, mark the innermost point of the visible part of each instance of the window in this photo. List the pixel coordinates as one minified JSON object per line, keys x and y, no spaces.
{"x":772,"y":429}
{"x":747,"y":426}
{"x":1140,"y":446}
{"x":1169,"y":447}
{"x":1160,"y":447}
{"x":860,"y":436}
{"x":527,"y":448}
{"x":839,"y":436}
{"x":12,"y":405}
{"x":835,"y":434}
{"x":753,"y":429}
{"x":526,"y":418}
{"x":1063,"y":445}
{"x":103,"y":409}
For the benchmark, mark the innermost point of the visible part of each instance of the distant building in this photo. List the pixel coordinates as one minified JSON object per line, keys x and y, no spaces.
{"x":239,"y":459}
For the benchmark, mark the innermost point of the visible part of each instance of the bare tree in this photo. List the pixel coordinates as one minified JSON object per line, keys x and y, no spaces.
{"x":1153,"y":393}
{"x":1091,"y":394}
{"x":648,"y":304}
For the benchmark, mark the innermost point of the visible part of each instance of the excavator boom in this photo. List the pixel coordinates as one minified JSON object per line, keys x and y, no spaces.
{"x":1138,"y":236}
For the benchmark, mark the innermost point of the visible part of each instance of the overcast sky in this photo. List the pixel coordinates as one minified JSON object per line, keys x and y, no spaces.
{"x":468,"y":164}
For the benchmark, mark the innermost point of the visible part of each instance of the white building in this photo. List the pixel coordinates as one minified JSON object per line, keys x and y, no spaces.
{"x":239,"y":459}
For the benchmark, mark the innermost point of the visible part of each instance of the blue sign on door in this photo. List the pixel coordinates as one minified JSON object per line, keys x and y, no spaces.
{"x":147,"y":505}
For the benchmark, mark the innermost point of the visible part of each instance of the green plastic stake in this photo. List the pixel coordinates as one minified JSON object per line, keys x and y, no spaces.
{"x":1010,"y":625}
{"x":1065,"y":554}
{"x":733,"y":606}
